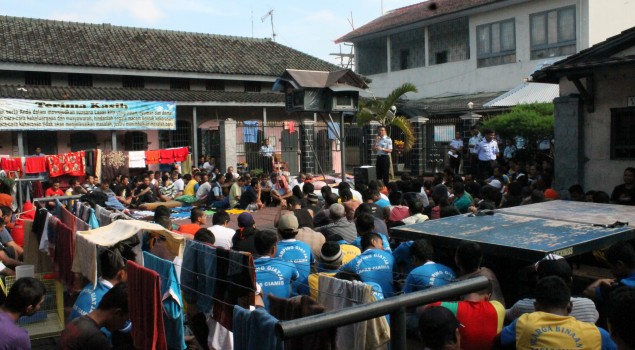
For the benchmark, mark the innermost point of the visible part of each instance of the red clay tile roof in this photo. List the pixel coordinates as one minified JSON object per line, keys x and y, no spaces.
{"x":411,"y":14}
{"x":38,"y":41}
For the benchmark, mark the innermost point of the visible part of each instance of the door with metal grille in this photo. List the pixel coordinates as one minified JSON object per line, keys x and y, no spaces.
{"x":290,"y":150}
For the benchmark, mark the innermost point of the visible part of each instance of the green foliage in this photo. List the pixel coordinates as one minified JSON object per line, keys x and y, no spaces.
{"x":256,"y":172}
{"x":379,"y":111}
{"x":531,"y":121}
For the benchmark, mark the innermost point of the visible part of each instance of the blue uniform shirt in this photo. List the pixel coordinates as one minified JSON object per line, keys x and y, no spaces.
{"x":89,"y":298}
{"x":384,"y":240}
{"x":298,"y":253}
{"x":428,"y":275}
{"x":274,"y":276}
{"x":403,"y":260}
{"x":373,"y":265}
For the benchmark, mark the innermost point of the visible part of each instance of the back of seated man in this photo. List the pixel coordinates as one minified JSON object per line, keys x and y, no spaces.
{"x":197,"y":220}
{"x":582,"y":309}
{"x":551,"y":326}
{"x":621,"y":317}
{"x":439,"y":329}
{"x":621,"y":259}
{"x":468,"y":259}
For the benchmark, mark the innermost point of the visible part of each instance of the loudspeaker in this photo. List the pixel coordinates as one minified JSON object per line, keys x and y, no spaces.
{"x":365,"y":174}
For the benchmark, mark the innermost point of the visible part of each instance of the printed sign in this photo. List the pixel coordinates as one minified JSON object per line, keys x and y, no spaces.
{"x":86,"y":115}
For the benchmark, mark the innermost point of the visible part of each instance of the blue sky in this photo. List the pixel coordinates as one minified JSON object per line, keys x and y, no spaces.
{"x":308,"y":26}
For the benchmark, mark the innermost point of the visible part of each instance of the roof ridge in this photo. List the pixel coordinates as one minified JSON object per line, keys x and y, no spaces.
{"x":140,"y":29}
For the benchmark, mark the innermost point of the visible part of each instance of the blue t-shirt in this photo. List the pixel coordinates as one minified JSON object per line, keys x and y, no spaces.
{"x":88,"y":299}
{"x":172,"y":300}
{"x":298,"y":253}
{"x":382,"y":203}
{"x":384,"y":240}
{"x":373,"y":265}
{"x":403,"y":260}
{"x":274,"y":276}
{"x":428,"y":275}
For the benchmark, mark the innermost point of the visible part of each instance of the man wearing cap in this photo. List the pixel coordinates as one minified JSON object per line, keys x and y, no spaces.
{"x":339,"y":224}
{"x":330,"y":261}
{"x":294,"y":251}
{"x":273,"y":275}
{"x":349,"y":251}
{"x":374,"y":264}
{"x":243,"y":239}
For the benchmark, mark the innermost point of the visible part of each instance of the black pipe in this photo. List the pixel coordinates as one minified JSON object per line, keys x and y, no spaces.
{"x":398,"y":321}
{"x":353,"y":314}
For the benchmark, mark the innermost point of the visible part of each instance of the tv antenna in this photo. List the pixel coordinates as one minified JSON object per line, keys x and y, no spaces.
{"x":269,"y":15}
{"x":347,"y":60}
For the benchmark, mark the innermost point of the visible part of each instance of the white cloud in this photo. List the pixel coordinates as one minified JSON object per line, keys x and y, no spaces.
{"x":144,"y":11}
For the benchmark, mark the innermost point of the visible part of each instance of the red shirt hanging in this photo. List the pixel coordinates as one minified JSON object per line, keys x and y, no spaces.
{"x":180,"y":154}
{"x":167,"y":156}
{"x":152,"y":157}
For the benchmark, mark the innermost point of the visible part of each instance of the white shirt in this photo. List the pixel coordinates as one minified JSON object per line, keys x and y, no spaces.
{"x":487,"y":150}
{"x":474,"y":140}
{"x":266,"y":151}
{"x":456,"y":144}
{"x":384,"y":142}
{"x":179,"y":185}
{"x":223,"y":236}
{"x":203,"y":190}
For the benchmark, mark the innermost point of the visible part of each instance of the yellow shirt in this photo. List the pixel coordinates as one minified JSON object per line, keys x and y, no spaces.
{"x":189,"y":188}
{"x":349,"y":252}
{"x":314,"y":280}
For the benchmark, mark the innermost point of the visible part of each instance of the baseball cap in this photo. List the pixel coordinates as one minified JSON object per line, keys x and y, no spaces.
{"x":496,"y":184}
{"x":288,"y":222}
{"x":245,"y":220}
{"x":331,"y":253}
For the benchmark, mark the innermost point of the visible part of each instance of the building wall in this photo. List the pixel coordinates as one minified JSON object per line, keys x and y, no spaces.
{"x":464,"y":77}
{"x":608,"y":18}
{"x":612,"y":87}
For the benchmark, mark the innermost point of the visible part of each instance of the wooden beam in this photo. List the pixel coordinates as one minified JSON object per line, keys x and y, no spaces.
{"x":587,"y":92}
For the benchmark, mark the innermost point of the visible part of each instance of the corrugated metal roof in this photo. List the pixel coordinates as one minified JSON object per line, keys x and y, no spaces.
{"x":526,"y":93}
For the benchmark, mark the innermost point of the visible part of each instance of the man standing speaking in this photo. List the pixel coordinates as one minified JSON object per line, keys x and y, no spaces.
{"x":383,"y":147}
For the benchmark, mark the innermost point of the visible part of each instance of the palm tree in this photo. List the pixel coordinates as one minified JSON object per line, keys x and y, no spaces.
{"x":383,"y":111}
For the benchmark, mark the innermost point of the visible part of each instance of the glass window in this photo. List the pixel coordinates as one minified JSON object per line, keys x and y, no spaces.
{"x":496,"y":43}
{"x":553,"y":33}
{"x":136,"y":141}
{"x":83,"y":140}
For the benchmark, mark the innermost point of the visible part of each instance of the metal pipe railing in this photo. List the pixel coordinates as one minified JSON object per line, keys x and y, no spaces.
{"x":20,"y":194}
{"x":295,"y":328}
{"x":54,"y":198}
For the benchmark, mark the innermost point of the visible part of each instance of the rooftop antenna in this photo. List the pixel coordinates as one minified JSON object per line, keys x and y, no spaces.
{"x":350,"y":57}
{"x":270,"y":15}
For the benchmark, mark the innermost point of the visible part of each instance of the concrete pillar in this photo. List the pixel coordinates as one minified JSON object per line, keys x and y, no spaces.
{"x":307,"y":147}
{"x":194,"y":137}
{"x":569,"y":133}
{"x":370,"y":137}
{"x":417,"y":156}
{"x":227,"y":144}
{"x":113,"y":139}
{"x":21,"y":152}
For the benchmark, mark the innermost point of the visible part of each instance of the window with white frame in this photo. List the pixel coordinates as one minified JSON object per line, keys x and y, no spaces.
{"x":496,"y":43}
{"x":553,"y":33}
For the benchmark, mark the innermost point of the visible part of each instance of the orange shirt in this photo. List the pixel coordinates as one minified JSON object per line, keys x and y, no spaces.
{"x":190,"y":228}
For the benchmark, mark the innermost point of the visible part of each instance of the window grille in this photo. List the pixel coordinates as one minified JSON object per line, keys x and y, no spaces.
{"x":371,"y":56}
{"x":252,"y":86}
{"x":80,"y":80}
{"x":132,"y":82}
{"x":179,"y":84}
{"x":215,"y":84}
{"x":136,"y":141}
{"x":623,"y":133}
{"x":553,"y":33}
{"x":449,"y":41}
{"x":182,"y":135}
{"x":37,"y":78}
{"x":496,"y":43}
{"x":407,"y":49}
